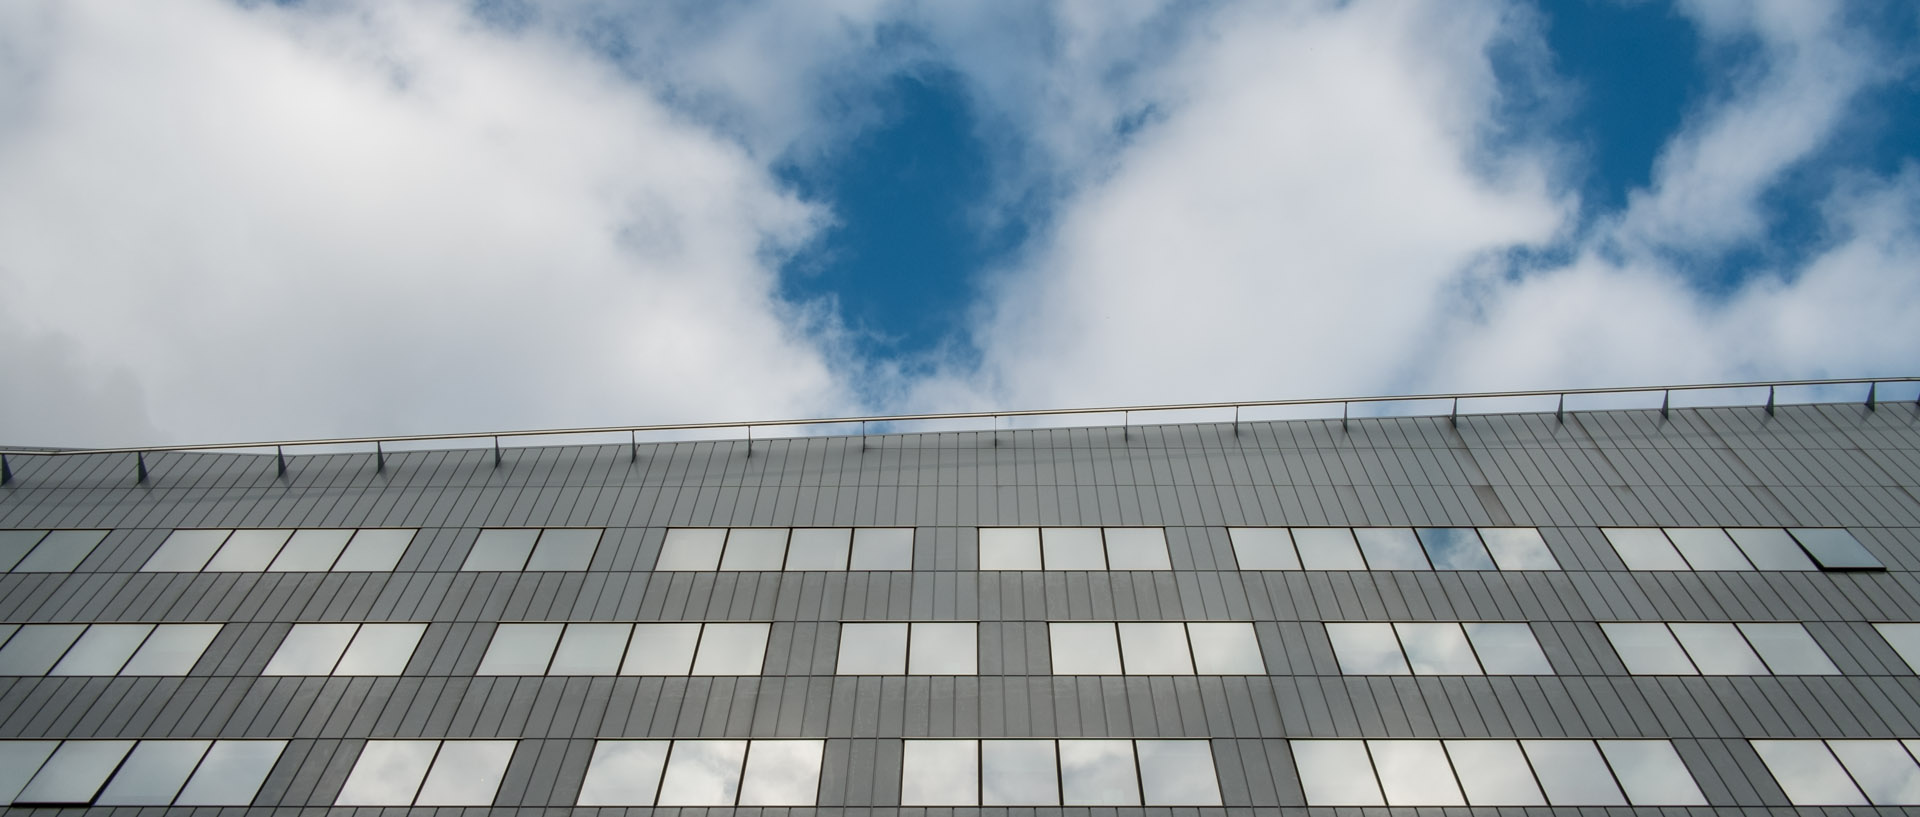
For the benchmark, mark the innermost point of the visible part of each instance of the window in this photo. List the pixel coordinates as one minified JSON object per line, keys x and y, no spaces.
{"x":186,"y":550}
{"x":153,"y":773}
{"x":902,"y":648}
{"x":1494,"y":773}
{"x":1644,"y":549}
{"x":1327,"y":549}
{"x":1336,"y":773}
{"x":819,"y":549}
{"x":1074,"y":549}
{"x":1770,"y":549}
{"x":755,"y":549}
{"x":1137,"y":549}
{"x":1835,"y":549}
{"x":1018,"y":773}
{"x":1808,"y":773}
{"x":939,"y":773}
{"x":104,"y":649}
{"x":1572,"y":773}
{"x":790,"y":549}
{"x":310,"y":550}
{"x":346,"y":649}
{"x":1708,"y":549}
{"x":135,"y":773}
{"x":532,"y":549}
{"x":781,"y":773}
{"x":1716,"y":648}
{"x":1904,"y":637}
{"x":1263,"y":549}
{"x":1518,"y":549}
{"x":1883,"y":769}
{"x":1039,"y":772}
{"x":1155,"y":648}
{"x":1651,"y":773}
{"x":1415,"y":773}
{"x":14,"y":545}
{"x":692,"y":549}
{"x":1391,"y":549}
{"x":254,"y":550}
{"x":713,"y":773}
{"x":1098,"y":773}
{"x":1455,"y":549}
{"x":59,"y":551}
{"x":426,"y":773}
{"x":1437,"y":648}
{"x":74,"y":773}
{"x":280,"y":550}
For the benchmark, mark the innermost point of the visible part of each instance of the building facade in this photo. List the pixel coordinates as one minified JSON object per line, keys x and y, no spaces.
{"x":1710,"y":607}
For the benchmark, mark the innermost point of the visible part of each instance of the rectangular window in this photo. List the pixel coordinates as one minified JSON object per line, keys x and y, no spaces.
{"x":1455,"y":549}
{"x":755,"y":549}
{"x":1081,"y":549}
{"x":1415,"y":773}
{"x":1651,"y":773}
{"x":1437,"y":648}
{"x":1572,"y":773}
{"x":1708,"y":549}
{"x":1770,"y":549}
{"x":15,"y":544}
{"x":702,"y":773}
{"x":1263,"y":549}
{"x":372,"y":550}
{"x":1327,"y":549}
{"x":153,"y":773}
{"x":1518,"y":549}
{"x":185,"y":551}
{"x":1018,"y":773}
{"x":819,"y":549}
{"x":1366,"y":648}
{"x":426,"y":773}
{"x":1644,"y":549}
{"x":1391,"y":549}
{"x":1883,"y":769}
{"x":1494,"y":773}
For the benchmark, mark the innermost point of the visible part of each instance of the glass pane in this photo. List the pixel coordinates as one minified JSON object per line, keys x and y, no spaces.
{"x":661,"y":649}
{"x":1882,"y":769}
{"x":1226,"y":648}
{"x":1072,"y":549}
{"x":1904,"y":637}
{"x":1808,"y":773}
{"x":500,"y":549}
{"x":1494,"y":773}
{"x":1571,"y":773}
{"x":466,"y":773}
{"x":1263,"y":549}
{"x":1644,"y":549}
{"x":1009,"y":548}
{"x":882,"y":549}
{"x":1018,"y":773}
{"x":103,"y":649}
{"x":19,"y":760}
{"x":388,"y":773}
{"x":73,"y":775}
{"x":692,"y":549}
{"x":590,"y":649}
{"x":623,"y":773}
{"x":172,"y":649}
{"x":1415,"y":773}
{"x":939,"y":773}
{"x":1155,"y":648}
{"x":1366,"y":648}
{"x":819,"y":549}
{"x":1137,"y":549}
{"x":702,"y":773}
{"x":1083,"y":648}
{"x":1178,"y":773}
{"x":1518,"y":549}
{"x":35,"y":648}
{"x":564,"y":549}
{"x":1718,"y":649}
{"x":249,"y":550}
{"x":1098,"y":773}
{"x":782,"y":773}
{"x":1455,"y":549}
{"x":1836,"y":549}
{"x":731,"y":649}
{"x":185,"y":551}
{"x":14,"y":544}
{"x":61,"y":551}
{"x":310,"y":649}
{"x":944,"y":648}
{"x":310,"y":550}
{"x":1708,"y":549}
{"x":1647,"y":648}
{"x":1789,"y":649}
{"x":231,"y":773}
{"x":1327,"y":549}
{"x":372,"y":550}
{"x":755,"y":549}
{"x":380,"y":649}
{"x":1391,"y":549}
{"x":1436,"y":648}
{"x":1652,"y":774}
{"x":1336,"y":773}
{"x":872,"y":649}
{"x":520,"y":649}
{"x":1507,"y":648}
{"x":154,"y":773}
{"x":1770,"y":549}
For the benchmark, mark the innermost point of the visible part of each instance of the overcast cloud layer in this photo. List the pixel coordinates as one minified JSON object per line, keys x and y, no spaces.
{"x":225,"y":222}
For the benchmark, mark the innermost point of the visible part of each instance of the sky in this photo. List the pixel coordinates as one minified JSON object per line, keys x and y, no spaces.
{"x":227,"y":220}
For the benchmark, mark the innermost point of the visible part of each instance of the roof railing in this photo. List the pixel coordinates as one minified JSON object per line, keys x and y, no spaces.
{"x":1126,"y":414}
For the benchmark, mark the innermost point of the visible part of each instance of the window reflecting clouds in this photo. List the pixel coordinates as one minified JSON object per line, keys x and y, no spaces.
{"x":1391,"y":549}
{"x":1455,"y":549}
{"x":702,"y":773}
{"x":1098,"y":773}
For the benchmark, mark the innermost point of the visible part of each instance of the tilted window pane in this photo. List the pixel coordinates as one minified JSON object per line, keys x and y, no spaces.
{"x":1788,"y":649}
{"x":1904,"y":637}
{"x":19,"y":761}
{"x":1455,"y":549}
{"x":500,"y":549}
{"x":15,"y":544}
{"x":380,"y":649}
{"x":731,"y":649}
{"x":466,"y":773}
{"x":172,"y":649}
{"x":372,"y":550}
{"x":872,"y":649}
{"x":623,"y":773}
{"x":1494,"y":773}
{"x":1225,"y":648}
{"x":1808,"y":773}
{"x":1571,"y":773}
{"x":1644,"y":549}
{"x":185,"y":551}
{"x":1436,"y":648}
{"x":61,"y":551}
{"x":1019,"y":773}
{"x":1518,"y":549}
{"x":1882,"y":768}
{"x":1647,"y":648}
{"x":1072,"y":549}
{"x":1836,"y":549}
{"x":1083,"y":648}
{"x":388,"y":773}
{"x":231,"y":773}
{"x":310,"y":649}
{"x":1336,"y":773}
{"x":692,"y":549}
{"x":35,"y":648}
{"x":103,"y":649}
{"x":590,"y":649}
{"x":311,"y":550}
{"x":1137,"y":549}
{"x":154,"y":773}
{"x":1177,"y":773}
{"x":1771,"y":549}
{"x":939,"y":773}
{"x":819,"y":549}
{"x":702,"y":773}
{"x":883,"y":549}
{"x":520,"y":649}
{"x":661,"y":649}
{"x":1009,"y":548}
{"x":1366,"y":648}
{"x":1708,"y":549}
{"x":1098,"y":773}
{"x":1718,"y":649}
{"x":74,"y":773}
{"x":1415,"y":773}
{"x":1391,"y":549}
{"x":564,"y":549}
{"x":782,"y":773}
{"x":1507,"y":648}
{"x":755,"y":549}
{"x":249,"y":550}
{"x":1327,"y":549}
{"x":944,"y":648}
{"x":1155,"y":648}
{"x":1263,"y":549}
{"x":1651,"y":773}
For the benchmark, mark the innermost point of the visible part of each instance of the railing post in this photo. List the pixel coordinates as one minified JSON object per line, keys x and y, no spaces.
{"x":633,"y":445}
{"x":140,"y":461}
{"x":1666,"y":399}
{"x":1343,"y":415}
{"x":280,"y":461}
{"x":6,"y":471}
{"x":996,"y":430}
{"x":1769,"y":401}
{"x":379,"y":458}
{"x":1453,"y":417}
{"x":1560,"y":411}
{"x":496,"y":452}
{"x":1236,"y":421}
{"x":863,"y":435}
{"x":749,"y":441}
{"x":1126,"y":425}
{"x":1870,"y":389}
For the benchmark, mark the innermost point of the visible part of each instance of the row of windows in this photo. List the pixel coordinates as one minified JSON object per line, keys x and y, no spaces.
{"x":39,"y":551}
{"x":1074,"y":549}
{"x":1844,"y":772}
{"x":627,"y":649}
{"x":533,"y":549}
{"x":1740,"y":549}
{"x":1494,"y":773}
{"x":697,"y":549}
{"x":1711,"y":648}
{"x":280,"y":550}
{"x":135,"y":773}
{"x":1112,"y":772}
{"x":703,"y":773}
{"x":1391,"y":549}
{"x":1437,"y":648}
{"x":426,"y":773}
{"x":103,"y":649}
